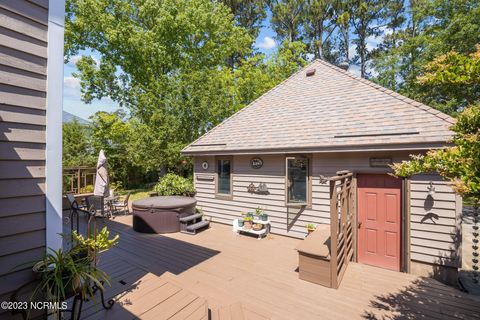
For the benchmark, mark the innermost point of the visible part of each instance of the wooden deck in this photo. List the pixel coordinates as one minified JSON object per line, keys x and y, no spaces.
{"x":181,"y":276}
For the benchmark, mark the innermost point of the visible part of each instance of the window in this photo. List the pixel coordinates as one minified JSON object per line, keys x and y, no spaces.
{"x":224,"y":176}
{"x":297,"y":181}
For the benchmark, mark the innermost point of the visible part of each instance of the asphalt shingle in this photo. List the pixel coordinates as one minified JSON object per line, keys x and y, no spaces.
{"x":332,"y":108}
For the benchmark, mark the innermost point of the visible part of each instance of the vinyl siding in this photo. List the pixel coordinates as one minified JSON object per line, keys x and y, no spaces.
{"x":23,"y":63}
{"x":429,"y":241}
{"x":434,"y":222}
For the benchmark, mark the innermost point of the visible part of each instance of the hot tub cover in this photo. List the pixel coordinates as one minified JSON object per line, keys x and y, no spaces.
{"x":164,"y":202}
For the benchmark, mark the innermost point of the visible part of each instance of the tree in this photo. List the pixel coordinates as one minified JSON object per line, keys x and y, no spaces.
{"x":318,"y":25}
{"x":165,"y":61}
{"x":110,"y":132}
{"x":248,"y":14}
{"x":452,"y":81}
{"x":77,"y":150}
{"x":287,"y":18}
{"x":342,"y":20}
{"x":432,"y":28}
{"x":365,"y":19}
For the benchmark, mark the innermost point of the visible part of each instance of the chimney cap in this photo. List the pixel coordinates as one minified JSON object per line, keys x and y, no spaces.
{"x":310,"y":72}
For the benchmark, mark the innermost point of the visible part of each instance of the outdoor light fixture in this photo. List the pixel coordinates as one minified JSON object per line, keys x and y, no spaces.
{"x":431,"y":189}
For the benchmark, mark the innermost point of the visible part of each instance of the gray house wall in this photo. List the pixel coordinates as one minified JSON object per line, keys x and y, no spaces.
{"x":23,"y":85}
{"x":433,"y":223}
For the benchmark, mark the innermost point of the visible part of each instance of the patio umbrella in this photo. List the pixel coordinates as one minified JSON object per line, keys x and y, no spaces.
{"x":101,"y":180}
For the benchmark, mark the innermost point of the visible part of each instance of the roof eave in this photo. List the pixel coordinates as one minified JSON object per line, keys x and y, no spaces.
{"x":323,"y":149}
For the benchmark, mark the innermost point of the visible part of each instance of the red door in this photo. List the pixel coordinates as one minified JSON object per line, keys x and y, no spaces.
{"x":379,"y":220}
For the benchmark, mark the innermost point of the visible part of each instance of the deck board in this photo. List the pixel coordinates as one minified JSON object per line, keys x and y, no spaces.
{"x":180,"y":276}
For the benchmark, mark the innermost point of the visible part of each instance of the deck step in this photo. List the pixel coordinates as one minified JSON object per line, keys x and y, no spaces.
{"x":190,"y":218}
{"x":198,"y":225}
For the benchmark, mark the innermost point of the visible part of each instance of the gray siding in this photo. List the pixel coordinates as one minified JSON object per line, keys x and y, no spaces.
{"x":434,"y":222}
{"x":23,"y":63}
{"x":430,"y":241}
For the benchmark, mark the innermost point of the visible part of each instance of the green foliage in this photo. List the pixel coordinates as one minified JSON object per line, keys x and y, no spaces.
{"x":427,"y":29}
{"x":61,"y":274}
{"x":311,"y":226}
{"x":460,"y":164}
{"x":453,"y":80}
{"x":287,"y":16}
{"x":179,"y":67}
{"x":174,"y":185}
{"x":110,"y":132}
{"x":101,"y":242}
{"x":77,"y":150}
{"x":87,"y":189}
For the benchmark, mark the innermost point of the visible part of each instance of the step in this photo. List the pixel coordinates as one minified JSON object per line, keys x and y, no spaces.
{"x":190,"y":218}
{"x":198,"y":225}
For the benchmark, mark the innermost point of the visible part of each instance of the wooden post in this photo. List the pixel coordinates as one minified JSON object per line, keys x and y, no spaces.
{"x":333,"y":233}
{"x":78,"y":181}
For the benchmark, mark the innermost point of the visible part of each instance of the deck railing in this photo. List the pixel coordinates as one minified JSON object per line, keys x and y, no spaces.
{"x":342,"y":209}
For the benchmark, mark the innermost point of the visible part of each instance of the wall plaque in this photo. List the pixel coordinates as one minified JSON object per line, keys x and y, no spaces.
{"x":380,"y":162}
{"x":205,"y":165}
{"x":256,"y":163}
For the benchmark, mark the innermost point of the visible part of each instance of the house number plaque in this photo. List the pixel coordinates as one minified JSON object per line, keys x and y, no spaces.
{"x":256,"y":163}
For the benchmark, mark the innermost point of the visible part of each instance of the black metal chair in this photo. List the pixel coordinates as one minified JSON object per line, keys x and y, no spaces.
{"x":122,"y":205}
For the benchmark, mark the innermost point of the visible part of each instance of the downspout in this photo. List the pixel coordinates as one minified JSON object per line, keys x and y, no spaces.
{"x":405,"y":232}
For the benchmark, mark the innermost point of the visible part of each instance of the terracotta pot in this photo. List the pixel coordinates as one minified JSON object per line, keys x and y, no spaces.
{"x":247,"y":225}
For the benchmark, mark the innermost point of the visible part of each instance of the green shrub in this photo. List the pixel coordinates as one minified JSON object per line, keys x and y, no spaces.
{"x":174,"y":185}
{"x":87,"y":189}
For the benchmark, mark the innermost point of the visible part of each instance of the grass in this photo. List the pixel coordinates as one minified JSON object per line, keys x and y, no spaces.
{"x":136,"y":193}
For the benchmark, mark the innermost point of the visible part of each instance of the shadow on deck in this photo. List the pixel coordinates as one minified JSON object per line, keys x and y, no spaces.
{"x":180,"y":276}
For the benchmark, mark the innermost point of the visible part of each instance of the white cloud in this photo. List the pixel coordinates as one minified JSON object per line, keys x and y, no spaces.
{"x":267,"y":43}
{"x":71,"y":82}
{"x":73,"y":60}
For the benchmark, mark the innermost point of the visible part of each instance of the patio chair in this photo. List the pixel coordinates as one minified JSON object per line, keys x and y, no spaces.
{"x":121,"y":205}
{"x":96,"y":206}
{"x":72,"y":201}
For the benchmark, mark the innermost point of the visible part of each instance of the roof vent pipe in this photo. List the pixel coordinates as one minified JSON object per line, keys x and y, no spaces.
{"x":343,"y":65}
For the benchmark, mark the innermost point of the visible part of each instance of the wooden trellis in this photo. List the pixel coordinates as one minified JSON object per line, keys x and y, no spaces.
{"x":342,"y":215}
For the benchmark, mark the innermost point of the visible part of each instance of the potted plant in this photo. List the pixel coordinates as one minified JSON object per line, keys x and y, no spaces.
{"x":89,"y":247}
{"x":310,"y":228}
{"x":240,"y":222}
{"x":257,"y":226}
{"x":249,"y":215}
{"x":247,"y":223}
{"x":63,"y":276}
{"x":261,"y":214}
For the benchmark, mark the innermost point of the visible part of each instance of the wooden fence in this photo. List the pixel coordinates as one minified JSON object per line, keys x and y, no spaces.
{"x":342,"y":220}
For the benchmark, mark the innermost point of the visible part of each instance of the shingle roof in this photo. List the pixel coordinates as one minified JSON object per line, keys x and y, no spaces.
{"x":331,"y":110}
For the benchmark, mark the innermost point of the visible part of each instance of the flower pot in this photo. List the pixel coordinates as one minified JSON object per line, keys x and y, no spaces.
{"x":247,"y":225}
{"x":240,"y":223}
{"x":257,"y":227}
{"x":310,"y":230}
{"x":264,"y":217}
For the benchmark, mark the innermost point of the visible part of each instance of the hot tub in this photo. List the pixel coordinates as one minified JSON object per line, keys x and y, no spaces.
{"x":161,"y":214}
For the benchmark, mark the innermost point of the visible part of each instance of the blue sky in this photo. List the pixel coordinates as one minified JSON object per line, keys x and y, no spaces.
{"x":73,"y":104}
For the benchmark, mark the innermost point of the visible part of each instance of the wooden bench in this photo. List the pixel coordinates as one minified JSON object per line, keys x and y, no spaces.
{"x":314,"y":257}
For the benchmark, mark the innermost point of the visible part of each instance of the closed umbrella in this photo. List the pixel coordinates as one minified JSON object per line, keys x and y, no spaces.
{"x":101,"y":180}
